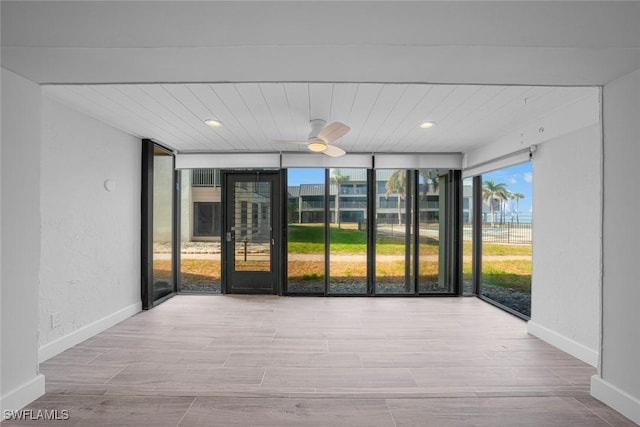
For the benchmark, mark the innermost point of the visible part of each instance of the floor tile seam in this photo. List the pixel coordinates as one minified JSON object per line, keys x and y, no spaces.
{"x":386,"y":402}
{"x":566,"y":380}
{"x":264,"y":374}
{"x":90,"y":363}
{"x":193,"y":400}
{"x":319,"y":395}
{"x":224,"y":364}
{"x":50,"y":394}
{"x":526,"y":394}
{"x":593,"y":412}
{"x":116,"y":374}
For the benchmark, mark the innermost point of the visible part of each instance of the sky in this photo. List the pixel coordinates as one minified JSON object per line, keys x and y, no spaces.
{"x":305,"y":176}
{"x":518,"y":179}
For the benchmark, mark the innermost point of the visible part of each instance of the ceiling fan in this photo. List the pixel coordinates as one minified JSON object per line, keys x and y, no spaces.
{"x":321,"y":137}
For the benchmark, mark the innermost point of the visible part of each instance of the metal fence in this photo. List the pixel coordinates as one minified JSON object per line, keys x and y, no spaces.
{"x":509,"y":233}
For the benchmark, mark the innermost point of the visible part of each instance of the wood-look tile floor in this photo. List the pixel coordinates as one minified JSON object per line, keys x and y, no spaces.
{"x":294,"y":361}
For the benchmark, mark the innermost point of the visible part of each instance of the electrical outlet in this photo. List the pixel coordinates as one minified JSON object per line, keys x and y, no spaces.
{"x":56,"y":320}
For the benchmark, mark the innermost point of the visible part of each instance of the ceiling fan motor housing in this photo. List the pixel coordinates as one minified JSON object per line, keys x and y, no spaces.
{"x":316,"y":127}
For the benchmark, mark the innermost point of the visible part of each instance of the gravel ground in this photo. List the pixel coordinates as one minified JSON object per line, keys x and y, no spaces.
{"x":516,"y":300}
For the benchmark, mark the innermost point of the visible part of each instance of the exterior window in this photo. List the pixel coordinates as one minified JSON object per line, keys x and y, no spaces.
{"x":348,"y":232}
{"x":506,"y":237}
{"x":200,"y":230}
{"x":206,"y":221}
{"x":433,"y":211}
{"x":306,"y":231}
{"x":394,"y":232}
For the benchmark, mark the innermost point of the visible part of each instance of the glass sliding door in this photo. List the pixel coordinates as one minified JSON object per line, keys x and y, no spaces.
{"x":506,"y":237}
{"x":348,"y":231}
{"x":200,"y":225}
{"x":394,"y":231}
{"x":158,"y":226}
{"x":433,"y":210}
{"x":306,"y":231}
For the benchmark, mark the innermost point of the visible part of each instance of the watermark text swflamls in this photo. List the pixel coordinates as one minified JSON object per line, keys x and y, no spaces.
{"x":37,"y":415}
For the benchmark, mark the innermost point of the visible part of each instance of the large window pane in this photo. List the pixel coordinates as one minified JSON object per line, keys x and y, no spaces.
{"x":200,"y":213}
{"x":433,"y":190}
{"x":306,"y":230}
{"x":467,"y":236}
{"x":394,"y":239}
{"x":506,"y":237}
{"x":162,"y":223}
{"x":252,"y":210}
{"x":348,"y":231}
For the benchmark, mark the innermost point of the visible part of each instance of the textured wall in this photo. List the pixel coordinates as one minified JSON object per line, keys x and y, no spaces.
{"x":621,"y":281}
{"x":90,"y":236}
{"x":566,"y":241}
{"x":21,"y":103}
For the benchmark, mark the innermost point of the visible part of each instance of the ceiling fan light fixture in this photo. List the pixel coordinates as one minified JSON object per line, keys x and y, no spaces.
{"x":428,"y":125}
{"x":213,"y":123}
{"x":317,"y":146}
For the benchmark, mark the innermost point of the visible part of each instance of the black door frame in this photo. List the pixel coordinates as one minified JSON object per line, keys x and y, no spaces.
{"x":146,"y":228}
{"x":227,"y":257}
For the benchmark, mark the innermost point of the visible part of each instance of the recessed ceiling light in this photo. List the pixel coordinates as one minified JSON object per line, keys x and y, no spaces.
{"x":213,"y":123}
{"x":428,"y":125}
{"x":317,"y":146}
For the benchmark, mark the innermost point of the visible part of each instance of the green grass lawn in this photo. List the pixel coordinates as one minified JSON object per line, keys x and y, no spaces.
{"x":309,"y":239}
{"x":515,"y":274}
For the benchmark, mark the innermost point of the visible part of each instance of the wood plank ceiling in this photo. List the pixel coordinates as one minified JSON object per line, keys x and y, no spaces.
{"x":384,"y":117}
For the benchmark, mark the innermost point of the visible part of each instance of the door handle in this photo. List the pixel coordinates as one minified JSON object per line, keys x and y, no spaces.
{"x":229,"y":236}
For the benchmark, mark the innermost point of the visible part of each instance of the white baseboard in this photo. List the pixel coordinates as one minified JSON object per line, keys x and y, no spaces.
{"x":619,"y":400}
{"x":565,"y":344}
{"x":53,"y":348}
{"x":23,"y":395}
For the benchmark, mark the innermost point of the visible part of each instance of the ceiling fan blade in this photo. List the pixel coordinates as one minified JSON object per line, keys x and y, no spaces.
{"x":333,"y":131}
{"x":334,"y":151}
{"x":284,"y":141}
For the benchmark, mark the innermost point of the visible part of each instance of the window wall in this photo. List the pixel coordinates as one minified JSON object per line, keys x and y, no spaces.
{"x":162,"y":220}
{"x":348,"y":208}
{"x":506,"y":237}
{"x":200,"y":225}
{"x":394,"y":234}
{"x":467,"y":219}
{"x":434,"y":209}
{"x":331,"y":250}
{"x":306,"y":231}
{"x":157,"y":237}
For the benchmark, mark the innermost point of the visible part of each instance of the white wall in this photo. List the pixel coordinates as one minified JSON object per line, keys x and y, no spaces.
{"x":1,"y":394}
{"x":567,"y":220}
{"x":20,"y":183}
{"x":565,"y":289}
{"x":619,"y":382}
{"x":90,"y":265}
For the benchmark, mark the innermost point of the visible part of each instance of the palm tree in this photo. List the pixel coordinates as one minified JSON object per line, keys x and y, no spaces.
{"x":429,"y":176}
{"x":338,"y":179}
{"x":492,"y":191}
{"x":503,"y":206}
{"x":517,"y":197}
{"x":397,"y":183}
